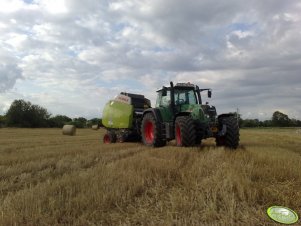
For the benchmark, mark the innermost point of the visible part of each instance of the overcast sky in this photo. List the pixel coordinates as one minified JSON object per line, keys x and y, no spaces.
{"x":72,"y":56}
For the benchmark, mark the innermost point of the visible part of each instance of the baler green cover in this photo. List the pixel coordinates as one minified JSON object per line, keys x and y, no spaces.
{"x":117,"y":115}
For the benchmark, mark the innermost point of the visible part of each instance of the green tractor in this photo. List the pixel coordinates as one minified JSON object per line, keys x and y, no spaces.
{"x":180,"y":114}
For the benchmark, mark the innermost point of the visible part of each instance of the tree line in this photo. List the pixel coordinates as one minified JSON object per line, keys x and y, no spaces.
{"x":278,"y":119}
{"x":24,"y":114}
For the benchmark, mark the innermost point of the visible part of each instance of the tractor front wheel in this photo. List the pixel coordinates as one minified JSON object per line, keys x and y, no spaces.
{"x":151,"y":131}
{"x":185,"y":132}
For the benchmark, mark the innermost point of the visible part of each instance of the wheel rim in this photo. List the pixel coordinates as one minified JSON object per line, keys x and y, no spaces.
{"x":106,"y":139}
{"x":149,"y":132}
{"x":178,"y":135}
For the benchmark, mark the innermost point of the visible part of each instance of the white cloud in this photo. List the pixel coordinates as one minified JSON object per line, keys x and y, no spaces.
{"x":9,"y":6}
{"x":53,"y":6}
{"x":16,"y":40}
{"x":71,"y":56}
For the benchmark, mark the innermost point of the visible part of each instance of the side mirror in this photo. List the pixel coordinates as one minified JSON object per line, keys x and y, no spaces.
{"x":209,"y":93}
{"x":164,"y":91}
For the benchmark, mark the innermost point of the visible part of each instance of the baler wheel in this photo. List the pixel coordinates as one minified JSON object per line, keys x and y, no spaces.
{"x":109,"y":138}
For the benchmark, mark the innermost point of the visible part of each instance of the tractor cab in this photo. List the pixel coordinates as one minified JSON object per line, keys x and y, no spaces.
{"x":183,"y":94}
{"x":184,"y":98}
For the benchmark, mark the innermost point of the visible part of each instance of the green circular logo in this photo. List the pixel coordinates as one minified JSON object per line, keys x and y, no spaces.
{"x":282,"y":214}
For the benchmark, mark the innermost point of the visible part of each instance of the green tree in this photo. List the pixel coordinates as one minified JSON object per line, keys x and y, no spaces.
{"x":251,"y":123}
{"x":295,"y":122}
{"x":2,"y":121}
{"x":94,"y":121}
{"x":267,"y":123}
{"x":59,"y":121}
{"x":280,"y":119}
{"x":79,"y":122}
{"x":38,"y":116}
{"x":23,"y":114}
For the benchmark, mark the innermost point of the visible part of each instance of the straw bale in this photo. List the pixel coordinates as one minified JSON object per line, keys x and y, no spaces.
{"x":69,"y":130}
{"x":95,"y":127}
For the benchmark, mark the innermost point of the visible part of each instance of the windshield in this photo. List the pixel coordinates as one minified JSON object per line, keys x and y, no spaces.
{"x":184,"y":96}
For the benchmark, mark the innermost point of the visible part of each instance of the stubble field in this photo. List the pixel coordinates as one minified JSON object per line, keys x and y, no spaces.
{"x":50,"y":179}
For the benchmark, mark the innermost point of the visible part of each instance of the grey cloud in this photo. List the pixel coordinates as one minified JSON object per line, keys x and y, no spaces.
{"x":96,"y":43}
{"x":9,"y":73}
{"x":9,"y":70}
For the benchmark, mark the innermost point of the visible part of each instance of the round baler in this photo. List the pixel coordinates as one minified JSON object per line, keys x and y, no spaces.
{"x":122,"y":117}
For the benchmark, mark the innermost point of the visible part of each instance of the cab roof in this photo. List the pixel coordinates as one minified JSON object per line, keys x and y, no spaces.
{"x":187,"y":85}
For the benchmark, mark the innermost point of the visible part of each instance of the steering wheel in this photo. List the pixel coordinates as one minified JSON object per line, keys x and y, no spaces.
{"x":180,"y":101}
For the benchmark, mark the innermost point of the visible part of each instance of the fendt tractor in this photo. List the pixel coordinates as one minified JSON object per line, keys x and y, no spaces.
{"x":179,"y":114}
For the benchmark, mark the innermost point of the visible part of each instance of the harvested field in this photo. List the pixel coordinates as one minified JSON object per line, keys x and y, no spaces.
{"x":50,"y":179}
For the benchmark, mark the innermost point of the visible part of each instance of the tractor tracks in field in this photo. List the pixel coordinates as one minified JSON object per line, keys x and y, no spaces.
{"x":55,"y":170}
{"x":128,"y":154}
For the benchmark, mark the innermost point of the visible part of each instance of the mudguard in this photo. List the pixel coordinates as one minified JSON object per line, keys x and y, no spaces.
{"x":155,"y":112}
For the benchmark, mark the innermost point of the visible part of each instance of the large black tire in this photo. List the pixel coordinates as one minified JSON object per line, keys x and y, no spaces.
{"x":109,"y":138}
{"x":200,"y":132}
{"x":151,"y":131}
{"x":220,"y":141}
{"x":120,"y":138}
{"x":185,"y":132}
{"x":231,"y":138}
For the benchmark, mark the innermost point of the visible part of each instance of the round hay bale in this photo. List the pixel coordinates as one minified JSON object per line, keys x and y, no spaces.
{"x":69,"y":130}
{"x":95,"y":127}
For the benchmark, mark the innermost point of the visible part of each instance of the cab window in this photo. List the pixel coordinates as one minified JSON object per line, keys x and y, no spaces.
{"x":163,"y":101}
{"x":185,"y":97}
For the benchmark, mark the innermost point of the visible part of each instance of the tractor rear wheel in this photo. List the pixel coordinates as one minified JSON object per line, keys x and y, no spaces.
{"x":185,"y":132}
{"x":151,"y":131}
{"x":231,"y":138}
{"x":109,"y":138}
{"x":200,"y":131}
